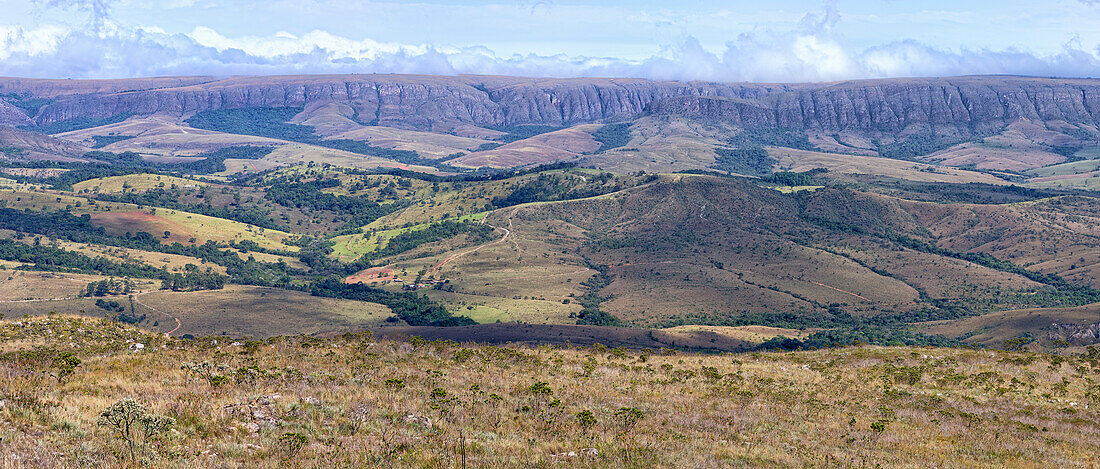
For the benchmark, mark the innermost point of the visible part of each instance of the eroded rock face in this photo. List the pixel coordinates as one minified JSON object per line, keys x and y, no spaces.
{"x":966,"y":104}
{"x":1076,"y":334}
{"x":13,"y":116}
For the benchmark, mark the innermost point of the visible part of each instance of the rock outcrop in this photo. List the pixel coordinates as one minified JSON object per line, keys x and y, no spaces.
{"x":966,"y":104}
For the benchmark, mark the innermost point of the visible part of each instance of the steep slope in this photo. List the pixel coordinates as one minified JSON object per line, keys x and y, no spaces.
{"x":960,"y":106}
{"x":25,"y":145}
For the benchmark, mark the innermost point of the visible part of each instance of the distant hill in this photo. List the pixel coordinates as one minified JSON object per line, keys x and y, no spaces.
{"x":963,"y":104}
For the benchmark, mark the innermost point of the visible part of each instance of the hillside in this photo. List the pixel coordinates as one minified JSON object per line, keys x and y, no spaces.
{"x":559,"y":246}
{"x":357,"y":400}
{"x":891,"y":212}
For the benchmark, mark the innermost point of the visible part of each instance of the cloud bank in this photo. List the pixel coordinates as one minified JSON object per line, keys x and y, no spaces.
{"x":809,"y":52}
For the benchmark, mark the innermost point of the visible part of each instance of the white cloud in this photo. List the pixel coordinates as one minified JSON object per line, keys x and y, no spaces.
{"x":809,"y":52}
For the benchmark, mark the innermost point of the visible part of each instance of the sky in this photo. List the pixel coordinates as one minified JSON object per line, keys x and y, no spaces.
{"x":709,"y":40}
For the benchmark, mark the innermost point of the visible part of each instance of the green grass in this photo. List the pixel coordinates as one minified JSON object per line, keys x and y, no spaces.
{"x":350,"y":247}
{"x":118,"y":218}
{"x":490,"y":309}
{"x":486,"y":314}
{"x":1063,"y":169}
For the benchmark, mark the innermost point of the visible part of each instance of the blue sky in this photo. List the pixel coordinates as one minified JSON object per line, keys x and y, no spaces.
{"x":788,"y":41}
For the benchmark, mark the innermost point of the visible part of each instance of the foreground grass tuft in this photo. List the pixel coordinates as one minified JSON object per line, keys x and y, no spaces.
{"x":355,"y":401}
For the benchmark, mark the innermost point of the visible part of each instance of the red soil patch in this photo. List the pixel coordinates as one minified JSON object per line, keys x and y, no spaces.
{"x":133,"y":222}
{"x":373,"y":274}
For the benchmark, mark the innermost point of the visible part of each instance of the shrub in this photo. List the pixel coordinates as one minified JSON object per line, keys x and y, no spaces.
{"x":628,"y":417}
{"x":541,"y":388}
{"x":585,"y":419}
{"x":291,"y":443}
{"x":134,"y":425}
{"x":66,"y":364}
{"x":462,"y":355}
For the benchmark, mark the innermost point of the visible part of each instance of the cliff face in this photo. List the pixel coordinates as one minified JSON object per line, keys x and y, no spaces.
{"x":432,"y":102}
{"x":966,"y":103}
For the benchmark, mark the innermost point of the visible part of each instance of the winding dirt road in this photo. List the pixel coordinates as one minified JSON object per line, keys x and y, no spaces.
{"x":169,"y":333}
{"x":507,"y":233}
{"x":137,"y":299}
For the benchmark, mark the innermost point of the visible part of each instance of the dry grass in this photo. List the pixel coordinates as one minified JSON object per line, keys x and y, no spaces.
{"x":429,"y":144}
{"x":239,"y":310}
{"x":994,"y":328}
{"x":662,"y":145}
{"x":164,"y":137}
{"x":550,"y":147}
{"x":801,"y":160}
{"x":134,"y":183}
{"x":18,"y":286}
{"x":300,"y":153}
{"x":363,"y":402}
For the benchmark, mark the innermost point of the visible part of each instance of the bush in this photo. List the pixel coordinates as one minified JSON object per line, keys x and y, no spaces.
{"x":109,"y":286}
{"x":747,"y":161}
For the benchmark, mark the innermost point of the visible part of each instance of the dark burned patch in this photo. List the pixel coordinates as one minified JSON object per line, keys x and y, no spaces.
{"x":563,"y":335}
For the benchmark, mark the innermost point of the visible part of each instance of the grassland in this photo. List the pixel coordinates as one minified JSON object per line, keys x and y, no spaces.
{"x":1046,"y":328}
{"x":26,"y":286}
{"x":550,"y":147}
{"x":171,"y":262}
{"x":300,"y":153}
{"x":351,"y":247}
{"x":240,"y":310}
{"x":665,"y":145}
{"x":1075,"y":175}
{"x":13,"y":185}
{"x":236,"y":310}
{"x":160,"y":137}
{"x":120,"y":218}
{"x":487,"y":309}
{"x":801,"y":160}
{"x":429,"y":144}
{"x":134,"y":183}
{"x":359,"y":401}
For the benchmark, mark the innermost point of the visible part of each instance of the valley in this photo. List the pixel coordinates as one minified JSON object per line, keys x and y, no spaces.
{"x":281,"y":205}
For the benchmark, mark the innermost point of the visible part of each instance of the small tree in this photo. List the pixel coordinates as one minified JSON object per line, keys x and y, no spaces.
{"x":133,"y":425}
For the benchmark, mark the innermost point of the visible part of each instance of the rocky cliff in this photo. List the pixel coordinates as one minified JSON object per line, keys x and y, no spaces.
{"x":966,"y":104}
{"x":437,"y":103}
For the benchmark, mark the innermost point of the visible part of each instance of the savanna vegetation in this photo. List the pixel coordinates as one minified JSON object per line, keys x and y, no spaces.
{"x":359,"y":400}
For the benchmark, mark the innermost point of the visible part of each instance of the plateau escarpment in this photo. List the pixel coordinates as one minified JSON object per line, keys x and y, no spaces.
{"x":961,"y":106}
